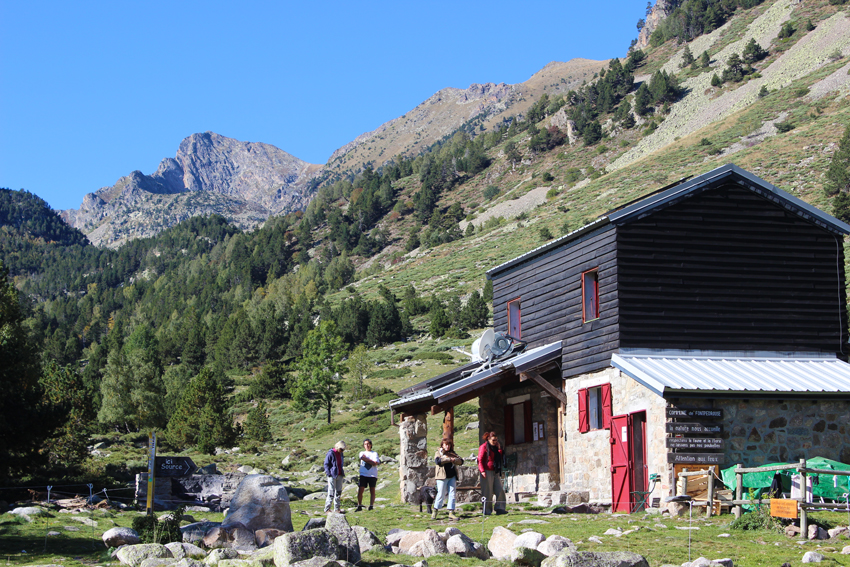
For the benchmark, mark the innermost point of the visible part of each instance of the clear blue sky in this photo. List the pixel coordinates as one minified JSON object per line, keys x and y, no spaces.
{"x":91,"y":91}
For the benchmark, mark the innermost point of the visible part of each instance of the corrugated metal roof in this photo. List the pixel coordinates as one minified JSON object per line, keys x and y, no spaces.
{"x":671,"y":372}
{"x":519,"y":363}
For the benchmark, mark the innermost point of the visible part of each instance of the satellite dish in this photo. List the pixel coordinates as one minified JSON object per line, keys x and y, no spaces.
{"x":483,"y":346}
{"x":501,"y":345}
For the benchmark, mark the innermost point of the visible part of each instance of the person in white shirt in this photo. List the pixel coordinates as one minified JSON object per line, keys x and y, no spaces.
{"x":369,"y":461}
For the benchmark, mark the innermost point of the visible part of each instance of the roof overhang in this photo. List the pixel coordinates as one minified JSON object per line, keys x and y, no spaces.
{"x":467,"y":383}
{"x":672,"y":373}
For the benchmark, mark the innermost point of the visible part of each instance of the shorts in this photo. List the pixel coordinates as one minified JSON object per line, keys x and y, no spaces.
{"x":369,"y":481}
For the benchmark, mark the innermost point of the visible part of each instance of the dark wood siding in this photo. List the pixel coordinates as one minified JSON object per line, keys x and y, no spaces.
{"x":550,"y":290}
{"x":730,"y":270}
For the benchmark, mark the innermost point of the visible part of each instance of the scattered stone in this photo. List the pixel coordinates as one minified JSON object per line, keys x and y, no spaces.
{"x":594,"y":539}
{"x":266,"y":536}
{"x":433,"y":544}
{"x":422,"y":563}
{"x":29,"y":512}
{"x":346,"y":537}
{"x":366,"y":539}
{"x":71,"y":528}
{"x":117,"y":537}
{"x":217,"y":555}
{"x":418,"y":549}
{"x":792,"y":531}
{"x":846,"y":550}
{"x":614,"y":532}
{"x":501,"y":543}
{"x":555,"y":544}
{"x":529,"y":540}
{"x":812,"y":557}
{"x":86,"y":521}
{"x":133,"y":555}
{"x":51,"y":534}
{"x":835,"y":532}
{"x":817,"y":532}
{"x":182,"y":550}
{"x":595,"y":559}
{"x":408,"y":540}
{"x":299,"y":546}
{"x":193,"y":533}
{"x":157,"y":562}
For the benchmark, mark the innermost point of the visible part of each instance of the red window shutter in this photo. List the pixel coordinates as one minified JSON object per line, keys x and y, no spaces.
{"x":526,"y":411}
{"x":583,"y":417}
{"x":509,"y":425}
{"x":605,"y":390}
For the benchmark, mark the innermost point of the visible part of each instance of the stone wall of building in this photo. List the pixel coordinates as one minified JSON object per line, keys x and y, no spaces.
{"x":587,"y":456}
{"x":413,"y":463}
{"x":761,"y":431}
{"x":536,"y":461}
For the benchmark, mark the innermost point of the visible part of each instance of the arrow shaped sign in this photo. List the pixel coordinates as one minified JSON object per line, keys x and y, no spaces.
{"x":174,"y":466}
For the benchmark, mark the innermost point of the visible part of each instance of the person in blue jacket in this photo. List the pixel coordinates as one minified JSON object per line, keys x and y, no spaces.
{"x":334,"y":472}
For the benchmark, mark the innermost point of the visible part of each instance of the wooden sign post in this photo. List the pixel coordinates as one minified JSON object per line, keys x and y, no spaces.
{"x":151,"y":471}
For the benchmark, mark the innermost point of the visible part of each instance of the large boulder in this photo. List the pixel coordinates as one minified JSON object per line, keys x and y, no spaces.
{"x":266,"y":536}
{"x":501,"y":543}
{"x":117,"y":537}
{"x":299,"y":546}
{"x":555,"y":544}
{"x":180,"y":550}
{"x":194,"y":533}
{"x":133,"y":555}
{"x":347,"y":537}
{"x":260,"y":501}
{"x":595,"y":559}
{"x":433,"y":544}
{"x":527,"y":556}
{"x":529,"y":540}
{"x":367,"y":539}
{"x":408,"y":540}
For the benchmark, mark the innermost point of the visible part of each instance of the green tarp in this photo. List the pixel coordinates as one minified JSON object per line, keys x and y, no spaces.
{"x":826,"y":486}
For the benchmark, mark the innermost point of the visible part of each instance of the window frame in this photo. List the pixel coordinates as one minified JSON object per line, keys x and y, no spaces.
{"x":517,"y":301}
{"x":585,"y":318}
{"x":527,"y":423}
{"x":605,"y":408}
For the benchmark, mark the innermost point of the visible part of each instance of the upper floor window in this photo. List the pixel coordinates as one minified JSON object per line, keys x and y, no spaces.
{"x":590,"y":295}
{"x":594,"y":408}
{"x":514,"y":316}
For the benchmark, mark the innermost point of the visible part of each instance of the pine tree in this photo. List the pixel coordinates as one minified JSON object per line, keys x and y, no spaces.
{"x":202,"y":417}
{"x":687,"y":57}
{"x":838,"y":178}
{"x":319,"y":383}
{"x":257,"y":425}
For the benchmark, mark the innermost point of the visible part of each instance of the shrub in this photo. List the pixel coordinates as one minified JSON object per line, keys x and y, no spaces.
{"x":786,"y":126}
{"x":787,"y":30}
{"x":545,"y":233}
{"x":763,"y":92}
{"x":491,"y":191}
{"x":547,"y":177}
{"x":552,"y":193}
{"x":151,"y":530}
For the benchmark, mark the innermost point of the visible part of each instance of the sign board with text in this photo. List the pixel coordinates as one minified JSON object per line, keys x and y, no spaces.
{"x":691,"y":443}
{"x":783,"y":508}
{"x":174,"y":466}
{"x":694,"y":428}
{"x":696,"y":458}
{"x":691,"y":413}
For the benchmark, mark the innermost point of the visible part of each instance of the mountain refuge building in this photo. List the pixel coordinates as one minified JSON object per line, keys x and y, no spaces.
{"x":704,"y":324}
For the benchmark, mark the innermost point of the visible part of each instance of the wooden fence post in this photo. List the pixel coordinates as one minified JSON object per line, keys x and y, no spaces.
{"x":739,"y":490}
{"x":804,"y":516}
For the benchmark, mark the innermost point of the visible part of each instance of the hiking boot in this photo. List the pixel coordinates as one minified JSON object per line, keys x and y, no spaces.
{"x":359,"y":508}
{"x":434,"y":514}
{"x":452,"y":515}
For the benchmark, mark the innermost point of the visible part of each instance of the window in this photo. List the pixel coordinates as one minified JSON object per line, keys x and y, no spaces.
{"x":590,"y":295}
{"x":518,"y":424}
{"x":514,"y":317}
{"x":594,"y":408}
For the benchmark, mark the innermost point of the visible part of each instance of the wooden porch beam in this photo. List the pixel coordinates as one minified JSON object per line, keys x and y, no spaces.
{"x":543,"y":383}
{"x":449,"y":424}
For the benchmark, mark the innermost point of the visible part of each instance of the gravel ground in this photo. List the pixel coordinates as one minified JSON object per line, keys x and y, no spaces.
{"x":697,"y":110}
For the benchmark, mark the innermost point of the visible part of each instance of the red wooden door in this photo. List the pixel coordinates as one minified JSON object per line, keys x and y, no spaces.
{"x":621,"y":464}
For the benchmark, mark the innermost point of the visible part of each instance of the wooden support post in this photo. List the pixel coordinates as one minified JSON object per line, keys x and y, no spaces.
{"x":710,"y":508}
{"x":449,"y":424}
{"x":683,"y":489}
{"x":804,"y":516}
{"x":739,"y":490}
